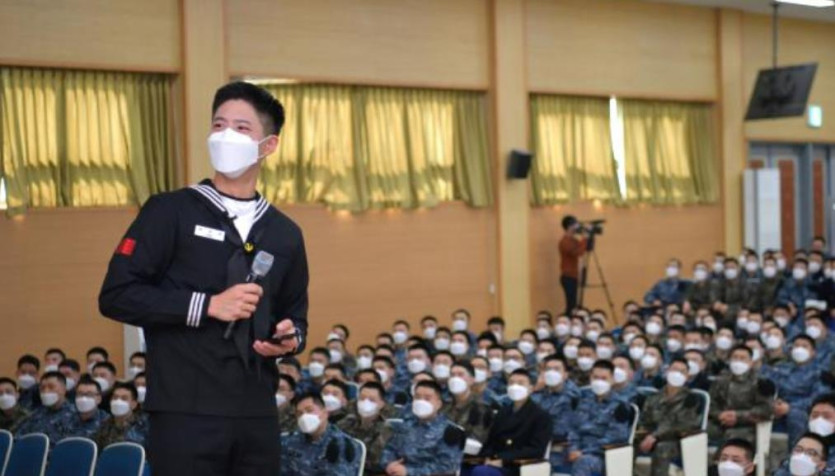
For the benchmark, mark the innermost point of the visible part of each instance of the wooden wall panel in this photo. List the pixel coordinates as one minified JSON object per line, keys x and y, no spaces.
{"x":432,"y":43}
{"x":787,"y":197}
{"x":800,"y":42}
{"x":101,"y":34}
{"x":633,"y":250}
{"x":626,"y":48}
{"x":818,"y":199}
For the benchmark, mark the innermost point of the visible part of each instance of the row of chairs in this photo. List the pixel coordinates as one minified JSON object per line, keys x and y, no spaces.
{"x":27,"y":456}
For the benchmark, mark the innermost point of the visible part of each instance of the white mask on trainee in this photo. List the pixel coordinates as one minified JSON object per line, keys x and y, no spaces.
{"x":232,"y":153}
{"x":480,"y":376}
{"x":422,"y":408}
{"x":85,"y":404}
{"x":605,"y":352}
{"x":459,"y":325}
{"x":458,"y":349}
{"x":7,"y":401}
{"x":308,"y":423}
{"x":525,"y":347}
{"x":49,"y":398}
{"x":119,"y":407}
{"x":316,"y":369}
{"x":280,"y":400}
{"x":441,"y":371}
{"x":26,"y":381}
{"x":570,"y":351}
{"x":70,"y":383}
{"x":332,"y":403}
{"x":676,"y":378}
{"x":517,"y":392}
{"x":553,"y":378}
{"x":600,"y":387}
{"x":729,"y":468}
{"x":620,"y":375}
{"x":457,"y":385}
{"x":700,"y":274}
{"x":585,"y":363}
{"x":103,"y":383}
{"x":821,"y":426}
{"x":802,"y":465}
{"x":773,"y":342}
{"x":562,"y":329}
{"x":364,"y":362}
{"x":367,"y":408}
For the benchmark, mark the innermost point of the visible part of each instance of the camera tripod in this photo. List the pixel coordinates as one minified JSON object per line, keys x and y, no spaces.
{"x":590,"y":256}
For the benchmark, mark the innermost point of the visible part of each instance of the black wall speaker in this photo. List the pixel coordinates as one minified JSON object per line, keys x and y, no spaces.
{"x":519,"y":164}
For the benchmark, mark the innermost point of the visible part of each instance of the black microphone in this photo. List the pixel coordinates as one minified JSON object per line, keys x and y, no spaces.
{"x":260,"y":267}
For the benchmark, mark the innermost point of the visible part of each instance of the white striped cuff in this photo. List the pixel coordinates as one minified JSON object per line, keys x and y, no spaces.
{"x":195,"y":309}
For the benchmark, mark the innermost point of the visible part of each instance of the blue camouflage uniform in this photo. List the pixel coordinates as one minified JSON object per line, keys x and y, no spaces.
{"x":829,"y":470}
{"x":824,"y":350}
{"x":797,"y":385}
{"x":426,"y":447}
{"x":597,"y":422}
{"x":497,"y":383}
{"x":796,"y":292}
{"x":626,"y":394}
{"x":560,"y":406}
{"x":668,"y":291}
{"x":30,"y":398}
{"x":333,"y":453}
{"x":88,"y":428}
{"x":56,"y":423}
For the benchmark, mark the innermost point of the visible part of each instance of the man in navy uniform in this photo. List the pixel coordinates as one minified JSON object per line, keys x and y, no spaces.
{"x":178,"y":273}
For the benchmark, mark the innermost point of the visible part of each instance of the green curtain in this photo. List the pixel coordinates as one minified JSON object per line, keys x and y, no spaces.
{"x":84,"y":138}
{"x":359,"y":148}
{"x":670,"y":152}
{"x":572,"y":150}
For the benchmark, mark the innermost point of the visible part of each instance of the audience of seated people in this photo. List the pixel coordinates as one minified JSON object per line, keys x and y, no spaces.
{"x":754,"y":332}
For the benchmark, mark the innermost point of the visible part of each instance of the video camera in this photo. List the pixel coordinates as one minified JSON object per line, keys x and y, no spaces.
{"x":591,"y":228}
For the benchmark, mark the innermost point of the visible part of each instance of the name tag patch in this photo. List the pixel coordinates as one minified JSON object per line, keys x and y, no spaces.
{"x":210,"y":233}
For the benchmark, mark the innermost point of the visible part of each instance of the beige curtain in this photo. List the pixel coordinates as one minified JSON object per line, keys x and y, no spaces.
{"x":670,"y":152}
{"x":84,"y":138}
{"x":360,"y":148}
{"x":572,"y":150}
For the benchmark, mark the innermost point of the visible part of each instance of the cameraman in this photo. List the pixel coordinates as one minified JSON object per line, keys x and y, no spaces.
{"x":572,"y":247}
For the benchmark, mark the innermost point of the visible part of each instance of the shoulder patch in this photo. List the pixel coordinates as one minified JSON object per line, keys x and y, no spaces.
{"x":454,"y":436}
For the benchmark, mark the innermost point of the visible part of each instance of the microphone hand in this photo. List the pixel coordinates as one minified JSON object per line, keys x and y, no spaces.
{"x":237,"y":302}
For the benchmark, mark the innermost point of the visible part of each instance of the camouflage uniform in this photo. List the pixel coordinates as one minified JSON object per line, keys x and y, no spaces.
{"x":701,"y":294}
{"x":426,"y":447}
{"x":10,"y":421}
{"x":54,"y":422}
{"x":667,"y":418}
{"x":287,"y":418}
{"x":797,"y":385}
{"x":88,"y":428}
{"x":133,"y":429}
{"x":749,"y":396}
{"x":829,"y":470}
{"x":30,"y":399}
{"x":668,"y":291}
{"x":375,"y":434}
{"x":559,"y":405}
{"x":766,"y":293}
{"x":732,"y":292}
{"x":474,"y":416}
{"x":597,"y":422}
{"x":333,"y":453}
{"x":796,"y":292}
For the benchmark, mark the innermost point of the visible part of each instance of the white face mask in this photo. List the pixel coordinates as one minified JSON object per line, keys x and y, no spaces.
{"x":367,"y":408}
{"x":384,"y":376}
{"x":781,"y":263}
{"x":280,"y":400}
{"x":739,"y":368}
{"x":649,"y":362}
{"x":481,"y":353}
{"x":731,"y":273}
{"x":585,"y":363}
{"x":729,"y":468}
{"x":553,"y":378}
{"x":724,"y":342}
{"x":332,"y":403}
{"x":134,"y":371}
{"x":800,"y":354}
{"x":442,"y":343}
{"x":496,"y":364}
{"x":517,"y":392}
{"x":718,"y":267}
{"x":232,"y":153}
{"x":70,"y":383}
{"x":742,"y":323}
{"x":605,"y":352}
{"x":336,"y":356}
{"x":627,"y":338}
{"x":480,"y":376}
{"x":416,"y":366}
{"x":309,"y":423}
{"x":570,"y":351}
{"x":540,"y":356}
{"x":773,"y":342}
{"x":751,"y":267}
{"x":458,"y":349}
{"x":457,"y":385}
{"x":753,"y":327}
{"x":620,"y":375}
{"x":653,"y":328}
{"x":364,"y":362}
{"x":49,"y":399}
{"x":429,"y":332}
{"x":672,"y":271}
{"x":769,"y":271}
{"x":7,"y":401}
{"x":526,"y":347}
{"x":50,"y":368}
{"x":119,"y":407}
{"x":334,"y":335}
{"x":26,"y":381}
{"x":821,"y":426}
{"x":600,"y":387}
{"x":814,"y":332}
{"x":799,"y":274}
{"x":636,"y":353}
{"x":103,"y":383}
{"x":693,"y":368}
{"x":673,"y":345}
{"x":814,"y":267}
{"x":459,"y":325}
{"x":399,"y":337}
{"x":577,"y":331}
{"x":441,"y":371}
{"x":700,"y":274}
{"x":592,"y":335}
{"x":756,"y":354}
{"x":676,"y":378}
{"x":781,"y":321}
{"x":511,"y":365}
{"x":562,"y":329}
{"x":85,"y":404}
{"x":828,"y":273}
{"x":543,"y":333}
{"x":802,"y":465}
{"x":422,"y":408}
{"x":316,"y":369}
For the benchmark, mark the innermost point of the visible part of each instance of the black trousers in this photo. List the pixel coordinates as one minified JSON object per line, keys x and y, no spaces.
{"x":569,"y":287}
{"x":199,"y":445}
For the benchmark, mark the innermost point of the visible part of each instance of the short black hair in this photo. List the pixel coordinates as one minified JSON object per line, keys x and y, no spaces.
{"x":402,"y":322}
{"x":8,"y":381}
{"x":56,"y":350}
{"x":680,"y":360}
{"x":604,"y":364}
{"x":324,"y":351}
{"x":433,"y":385}
{"x":344,"y":329}
{"x":568,"y":221}
{"x":269,"y":109}
{"x":429,"y":318}
{"x":138,"y":354}
{"x":338,"y":384}
{"x":374,"y":386}
{"x":495,"y":320}
{"x":314,"y":395}
{"x":741,"y":347}
{"x":71,"y":363}
{"x":106,"y":365}
{"x":291,"y":361}
{"x":557,"y":358}
{"x":130,"y":387}
{"x":98,"y":350}
{"x":523,"y":373}
{"x":465,"y":365}
{"x":291,"y":382}
{"x":806,"y":338}
{"x":740,"y":443}
{"x":819,"y":439}
{"x":487,"y":335}
{"x":339,"y":367}
{"x":55,"y":375}
{"x":87,"y":380}
{"x":825,"y":399}
{"x":29,"y":359}
{"x":369,"y":372}
{"x":462,"y":311}
{"x":383,"y":358}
